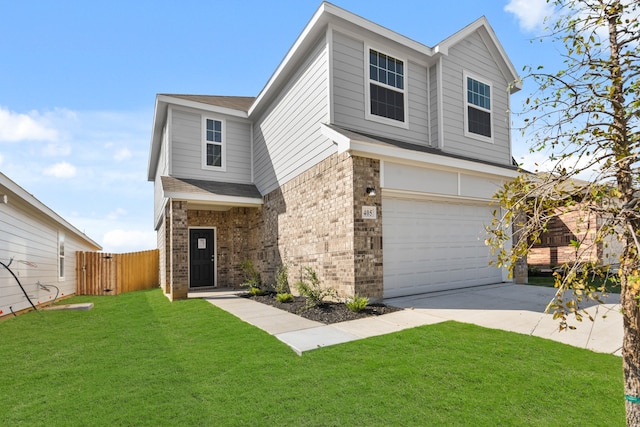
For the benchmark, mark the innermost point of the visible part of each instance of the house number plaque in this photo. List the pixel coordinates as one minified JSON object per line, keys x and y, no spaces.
{"x":369,"y":212}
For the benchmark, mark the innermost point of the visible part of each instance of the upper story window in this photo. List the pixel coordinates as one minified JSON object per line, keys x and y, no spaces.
{"x":386,"y":89}
{"x":213,"y":144}
{"x":477,"y":108}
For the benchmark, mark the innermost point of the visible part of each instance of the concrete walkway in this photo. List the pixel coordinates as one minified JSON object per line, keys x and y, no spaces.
{"x":514,"y":308}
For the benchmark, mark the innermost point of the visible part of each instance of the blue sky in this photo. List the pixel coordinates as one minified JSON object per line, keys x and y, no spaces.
{"x":78,"y":81}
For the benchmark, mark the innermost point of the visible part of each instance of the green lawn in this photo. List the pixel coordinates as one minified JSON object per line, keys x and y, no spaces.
{"x":137,"y":359}
{"x":549,"y":281}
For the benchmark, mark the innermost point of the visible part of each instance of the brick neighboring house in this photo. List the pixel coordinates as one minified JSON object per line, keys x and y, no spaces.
{"x":367,"y":156}
{"x":555,"y":249}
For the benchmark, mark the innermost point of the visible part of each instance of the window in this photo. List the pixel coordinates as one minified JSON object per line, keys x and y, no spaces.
{"x":478,"y":108}
{"x":386,"y":88}
{"x":61,"y":255}
{"x":213,"y":150}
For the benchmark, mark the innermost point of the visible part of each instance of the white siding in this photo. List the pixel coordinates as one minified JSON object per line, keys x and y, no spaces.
{"x":287,"y":136}
{"x":433,"y":106}
{"x":472,"y":55}
{"x":349,"y":98}
{"x":29,"y":236}
{"x":162,"y":170}
{"x":438,"y":181}
{"x":186,"y":147}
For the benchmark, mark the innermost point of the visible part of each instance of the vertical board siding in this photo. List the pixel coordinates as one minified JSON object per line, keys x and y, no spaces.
{"x":349,"y":93}
{"x":472,"y":55}
{"x":287,"y":136}
{"x":162,"y":170}
{"x":101,"y":273}
{"x":433,"y":107}
{"x":186,"y":147}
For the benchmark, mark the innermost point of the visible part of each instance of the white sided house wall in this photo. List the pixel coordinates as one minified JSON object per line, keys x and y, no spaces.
{"x":30,"y":235}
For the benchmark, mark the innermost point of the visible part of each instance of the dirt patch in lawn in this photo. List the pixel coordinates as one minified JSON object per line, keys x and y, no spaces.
{"x":329,"y":312}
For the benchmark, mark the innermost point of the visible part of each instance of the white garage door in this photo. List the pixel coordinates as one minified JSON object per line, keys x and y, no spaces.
{"x":434,"y":245}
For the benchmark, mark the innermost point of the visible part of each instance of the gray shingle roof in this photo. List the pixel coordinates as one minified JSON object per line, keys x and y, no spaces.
{"x":197,"y":186}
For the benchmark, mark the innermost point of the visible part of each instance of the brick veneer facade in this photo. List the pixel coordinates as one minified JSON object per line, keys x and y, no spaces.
{"x":314,"y":220}
{"x":554,"y":248}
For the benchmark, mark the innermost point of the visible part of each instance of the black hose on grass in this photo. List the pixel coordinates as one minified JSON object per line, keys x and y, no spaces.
{"x":19,"y":284}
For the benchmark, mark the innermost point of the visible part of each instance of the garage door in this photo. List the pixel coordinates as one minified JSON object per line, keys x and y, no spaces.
{"x":434,"y":245}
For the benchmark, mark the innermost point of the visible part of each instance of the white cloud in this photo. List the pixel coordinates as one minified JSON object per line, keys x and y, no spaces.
{"x":16,"y":127}
{"x":116,"y":214}
{"x":61,"y":170}
{"x":129,"y":240}
{"x":530,"y":13}
{"x":122,"y":154}
{"x":1,"y":159}
{"x":55,"y":150}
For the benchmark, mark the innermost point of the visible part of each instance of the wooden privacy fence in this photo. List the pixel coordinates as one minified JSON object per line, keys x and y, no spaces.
{"x":99,"y":273}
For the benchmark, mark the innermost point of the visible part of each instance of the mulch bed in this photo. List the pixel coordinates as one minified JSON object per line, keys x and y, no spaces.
{"x":328,"y":312}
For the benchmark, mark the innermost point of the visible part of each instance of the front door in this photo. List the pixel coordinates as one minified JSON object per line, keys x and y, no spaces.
{"x":201,"y":258}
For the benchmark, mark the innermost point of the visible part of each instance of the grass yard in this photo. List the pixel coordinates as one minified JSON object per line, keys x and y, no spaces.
{"x":549,"y":282}
{"x":137,"y":359}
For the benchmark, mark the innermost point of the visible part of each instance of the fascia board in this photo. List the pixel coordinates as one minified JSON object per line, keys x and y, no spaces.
{"x":202,"y":106}
{"x":214,"y":198}
{"x":368,"y":149}
{"x":159,"y":116}
{"x":482,"y":22}
{"x":326,"y":14}
{"x":297,"y":47}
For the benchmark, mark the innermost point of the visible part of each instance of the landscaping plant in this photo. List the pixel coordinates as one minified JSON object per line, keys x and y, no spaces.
{"x":282,"y":285}
{"x":309,"y":286}
{"x":252,"y":280}
{"x":357,"y":303}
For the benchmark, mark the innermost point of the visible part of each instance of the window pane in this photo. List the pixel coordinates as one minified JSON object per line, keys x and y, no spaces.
{"x":217,"y":125}
{"x":479,"y":121}
{"x":61,"y":267}
{"x":478,"y":93}
{"x":387,"y":103}
{"x":214,"y":155}
{"x":385,"y":69}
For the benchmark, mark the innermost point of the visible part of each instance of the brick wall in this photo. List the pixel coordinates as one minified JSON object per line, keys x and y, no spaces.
{"x":308,"y":222}
{"x":554,"y":248}
{"x":233,"y":230}
{"x":314,"y":220}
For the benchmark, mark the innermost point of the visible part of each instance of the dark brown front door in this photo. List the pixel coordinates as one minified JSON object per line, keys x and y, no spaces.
{"x":201,"y":258}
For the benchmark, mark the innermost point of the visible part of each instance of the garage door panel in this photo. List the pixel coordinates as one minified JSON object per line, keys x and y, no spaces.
{"x":434,"y":245}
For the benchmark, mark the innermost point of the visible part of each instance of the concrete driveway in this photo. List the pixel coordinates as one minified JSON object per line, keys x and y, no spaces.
{"x":520,"y":308}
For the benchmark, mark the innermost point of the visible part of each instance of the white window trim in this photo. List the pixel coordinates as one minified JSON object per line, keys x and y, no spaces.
{"x":61,"y":257}
{"x":223,"y":144}
{"x":467,"y":133}
{"x":367,"y":90}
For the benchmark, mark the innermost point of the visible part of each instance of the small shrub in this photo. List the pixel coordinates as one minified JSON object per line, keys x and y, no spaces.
{"x":282,"y":280}
{"x":284,"y":297}
{"x":282,"y":285}
{"x":252,"y":277}
{"x":357,"y":303}
{"x":256,"y":291}
{"x":311,"y":289}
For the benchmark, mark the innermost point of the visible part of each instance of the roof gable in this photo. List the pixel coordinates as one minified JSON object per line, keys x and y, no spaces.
{"x":7,"y":185}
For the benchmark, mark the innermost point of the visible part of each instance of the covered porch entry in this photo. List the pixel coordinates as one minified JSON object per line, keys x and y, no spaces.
{"x":208,"y":230}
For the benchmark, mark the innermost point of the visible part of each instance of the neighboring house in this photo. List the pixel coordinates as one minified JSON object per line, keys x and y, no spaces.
{"x":39,"y":247}
{"x":574,"y":224}
{"x":367,"y":156}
